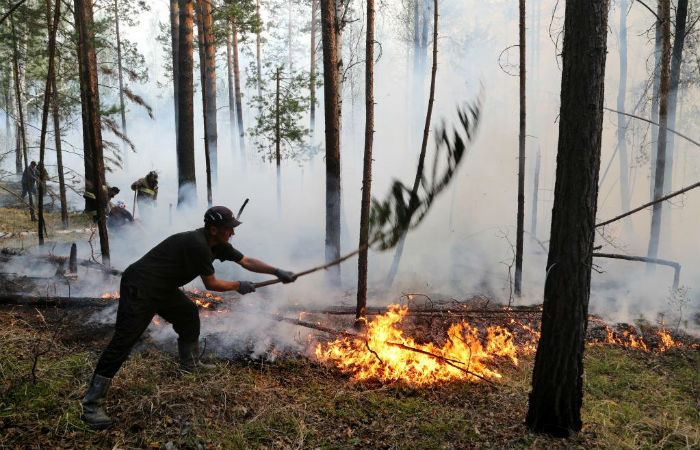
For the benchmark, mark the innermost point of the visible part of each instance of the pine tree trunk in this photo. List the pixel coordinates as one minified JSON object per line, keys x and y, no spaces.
{"x":665,"y":9}
{"x":120,"y":76}
{"x":202,"y":44}
{"x":15,"y":114}
{"x":676,"y":61}
{"x":656,"y":83}
{"x":332,"y":131}
{"x":45,"y":109}
{"x":187,"y":181}
{"x":339,"y":9}
{"x":21,"y":133}
{"x":258,"y":45}
{"x":59,"y":154}
{"x":557,"y":384}
{"x":237,"y":84}
{"x":423,"y":148}
{"x":621,"y":125}
{"x":521,"y":161}
{"x":231,"y":94}
{"x":289,"y":36}
{"x":312,"y":70}
{"x":278,"y":153}
{"x":210,"y":82}
{"x":89,"y":84}
{"x":535,"y":195}
{"x":87,"y":149}
{"x":174,"y":47}
{"x":367,"y":165}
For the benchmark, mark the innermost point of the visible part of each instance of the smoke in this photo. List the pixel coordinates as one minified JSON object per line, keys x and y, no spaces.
{"x":465,"y":245}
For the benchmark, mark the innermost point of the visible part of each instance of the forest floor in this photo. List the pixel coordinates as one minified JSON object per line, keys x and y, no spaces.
{"x":632,"y":398}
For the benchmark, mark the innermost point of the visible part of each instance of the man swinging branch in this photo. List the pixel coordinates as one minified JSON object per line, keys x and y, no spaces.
{"x":150,"y":286}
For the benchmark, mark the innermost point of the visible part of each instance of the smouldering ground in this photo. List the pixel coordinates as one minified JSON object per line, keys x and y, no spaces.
{"x":632,"y":400}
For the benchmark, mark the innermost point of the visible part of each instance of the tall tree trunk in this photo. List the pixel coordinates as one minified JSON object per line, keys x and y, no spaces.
{"x":278,"y":153}
{"x":339,"y":14}
{"x":231,"y":95}
{"x":423,"y":148}
{"x":535,"y":195}
{"x":52,"y":26}
{"x":174,"y":46}
{"x":187,"y":181}
{"x":332,"y":126}
{"x":656,"y":83}
{"x":258,"y":45}
{"x":367,"y":165}
{"x":665,"y":9}
{"x":89,"y":84}
{"x":120,"y":76}
{"x":557,"y":384}
{"x":210,"y":82}
{"x":521,"y":160}
{"x":676,"y":61}
{"x":87,"y":149}
{"x":202,"y":45}
{"x":621,"y":124}
{"x":289,"y":35}
{"x":312,"y":70}
{"x":15,"y":114}
{"x":59,"y":154}
{"x":22,"y":132}
{"x":237,"y":84}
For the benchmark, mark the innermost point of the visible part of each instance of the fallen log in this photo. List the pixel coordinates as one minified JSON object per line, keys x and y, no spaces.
{"x":54,"y":301}
{"x":663,"y":262}
{"x":436,"y":312}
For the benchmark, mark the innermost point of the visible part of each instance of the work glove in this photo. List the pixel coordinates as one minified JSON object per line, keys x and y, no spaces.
{"x":246,"y":287}
{"x":284,"y":276}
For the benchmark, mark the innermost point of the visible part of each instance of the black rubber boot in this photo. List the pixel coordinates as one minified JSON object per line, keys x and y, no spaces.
{"x":93,"y":414}
{"x":189,"y":358}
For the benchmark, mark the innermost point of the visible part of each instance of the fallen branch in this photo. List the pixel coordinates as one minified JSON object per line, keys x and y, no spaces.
{"x":676,"y":266}
{"x":654,"y":123}
{"x":374,"y":311}
{"x":646,"y":205}
{"x":54,"y":301}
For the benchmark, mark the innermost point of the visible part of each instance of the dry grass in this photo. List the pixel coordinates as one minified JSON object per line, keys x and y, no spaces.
{"x":632,"y":400}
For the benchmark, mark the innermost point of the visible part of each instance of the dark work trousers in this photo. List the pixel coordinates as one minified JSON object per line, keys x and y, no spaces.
{"x":136,"y":309}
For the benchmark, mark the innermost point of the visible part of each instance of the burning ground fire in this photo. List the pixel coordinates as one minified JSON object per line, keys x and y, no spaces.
{"x":205,"y":300}
{"x":385,"y":354}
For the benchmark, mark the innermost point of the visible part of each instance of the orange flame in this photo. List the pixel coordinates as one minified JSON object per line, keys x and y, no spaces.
{"x":114,"y":295}
{"x":382,"y":354}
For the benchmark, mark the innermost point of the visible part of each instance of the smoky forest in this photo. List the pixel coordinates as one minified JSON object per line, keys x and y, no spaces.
{"x":350,"y":224}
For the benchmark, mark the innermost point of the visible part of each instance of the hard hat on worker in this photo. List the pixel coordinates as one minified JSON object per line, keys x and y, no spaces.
{"x":220,"y":216}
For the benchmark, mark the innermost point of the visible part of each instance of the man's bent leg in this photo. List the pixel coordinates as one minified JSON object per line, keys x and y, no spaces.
{"x":133,"y":316}
{"x":184,"y":315}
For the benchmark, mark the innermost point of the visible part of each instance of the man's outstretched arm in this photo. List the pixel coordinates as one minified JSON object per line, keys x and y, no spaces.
{"x":214,"y":284}
{"x":255,"y":265}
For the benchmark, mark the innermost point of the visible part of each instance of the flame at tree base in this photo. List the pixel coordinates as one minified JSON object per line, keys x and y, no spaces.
{"x":383,"y":354}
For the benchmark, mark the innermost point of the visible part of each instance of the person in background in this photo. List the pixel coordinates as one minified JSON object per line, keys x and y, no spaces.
{"x":29,"y":179}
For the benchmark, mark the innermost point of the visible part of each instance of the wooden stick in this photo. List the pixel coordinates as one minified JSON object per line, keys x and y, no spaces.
{"x":317,"y":268}
{"x":646,"y":205}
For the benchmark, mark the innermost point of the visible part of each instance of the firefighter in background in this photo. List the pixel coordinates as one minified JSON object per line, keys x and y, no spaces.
{"x":29,"y":178}
{"x":146,"y":193}
{"x":119,"y":216}
{"x":109,"y":192}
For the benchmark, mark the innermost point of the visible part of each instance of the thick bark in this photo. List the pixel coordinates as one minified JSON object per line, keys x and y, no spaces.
{"x":367,"y":164}
{"x":621,"y":125}
{"x":187,"y":181}
{"x":557,"y":384}
{"x":237,"y":85}
{"x":87,"y":148}
{"x":332,"y":130}
{"x":22,"y":132}
{"x":312,"y":70}
{"x":339,"y":9}
{"x":205,"y":87}
{"x":521,"y":161}
{"x":424,"y":145}
{"x":52,"y":26}
{"x":120,"y":77}
{"x":174,"y":46}
{"x":665,"y":9}
{"x":210,"y":82}
{"x":12,"y":101}
{"x":89,"y":84}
